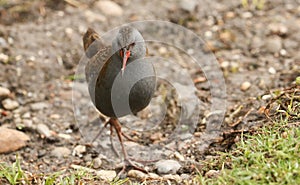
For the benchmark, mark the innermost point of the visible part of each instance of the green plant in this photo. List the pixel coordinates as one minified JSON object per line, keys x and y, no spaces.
{"x":13,"y":174}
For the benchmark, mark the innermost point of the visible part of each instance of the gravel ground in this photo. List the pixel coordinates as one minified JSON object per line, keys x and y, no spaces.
{"x":255,"y":46}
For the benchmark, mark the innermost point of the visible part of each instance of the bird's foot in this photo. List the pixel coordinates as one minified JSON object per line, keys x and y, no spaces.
{"x":129,"y":164}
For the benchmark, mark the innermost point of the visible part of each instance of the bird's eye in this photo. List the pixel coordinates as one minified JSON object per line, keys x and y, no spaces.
{"x":132,"y":44}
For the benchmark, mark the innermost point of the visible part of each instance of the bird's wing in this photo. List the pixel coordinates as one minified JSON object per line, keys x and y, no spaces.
{"x":92,"y":42}
{"x":98,"y":54}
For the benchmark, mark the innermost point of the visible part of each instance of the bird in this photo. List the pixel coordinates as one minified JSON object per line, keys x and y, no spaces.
{"x":118,"y":74}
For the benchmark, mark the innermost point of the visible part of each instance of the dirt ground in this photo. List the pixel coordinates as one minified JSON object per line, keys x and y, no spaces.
{"x":256,"y":47}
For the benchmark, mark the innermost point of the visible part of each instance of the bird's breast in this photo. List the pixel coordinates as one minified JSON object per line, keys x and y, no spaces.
{"x":118,"y":95}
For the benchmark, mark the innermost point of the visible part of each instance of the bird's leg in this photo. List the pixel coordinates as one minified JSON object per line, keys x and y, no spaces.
{"x":111,"y":140}
{"x":127,"y":162}
{"x":100,"y":132}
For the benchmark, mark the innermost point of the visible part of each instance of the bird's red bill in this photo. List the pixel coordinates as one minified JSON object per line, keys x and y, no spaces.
{"x":125,"y":58}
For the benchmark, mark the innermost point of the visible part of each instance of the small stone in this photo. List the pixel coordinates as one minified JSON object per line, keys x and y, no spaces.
{"x":64,"y":136}
{"x":38,"y":106}
{"x":212,"y":173}
{"x":266,"y":97}
{"x":225,"y":64}
{"x":88,"y":158}
{"x":60,"y":152}
{"x":273,"y":44}
{"x":162,"y":50}
{"x":247,"y":15}
{"x":167,"y":166}
{"x":102,"y":174}
{"x":28,"y":123}
{"x":184,"y":176}
{"x":10,"y":40}
{"x":79,"y":150}
{"x":283,"y":52}
{"x":4,"y":58}
{"x":106,"y":174}
{"x":272,"y":70}
{"x":55,"y":116}
{"x":179,"y":156}
{"x":97,"y":162}
{"x":172,"y":177}
{"x":156,"y":136}
{"x":3,"y":42}
{"x":188,"y":5}
{"x":137,"y":174}
{"x":12,"y":140}
{"x":94,"y":17}
{"x":69,"y":31}
{"x":26,"y":115}
{"x":154,"y":176}
{"x":245,"y":86}
{"x":10,"y":104}
{"x":4,"y":92}
{"x":43,"y":130}
{"x":277,"y":28}
{"x":109,"y":8}
{"x":230,"y":15}
{"x":284,"y":135}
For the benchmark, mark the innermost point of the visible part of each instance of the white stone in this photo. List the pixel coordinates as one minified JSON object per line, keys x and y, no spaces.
{"x":109,"y":8}
{"x":10,"y":104}
{"x":245,"y":86}
{"x":167,"y":166}
{"x":4,"y":92}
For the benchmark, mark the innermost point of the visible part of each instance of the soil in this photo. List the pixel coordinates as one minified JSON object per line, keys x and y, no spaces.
{"x":43,"y":42}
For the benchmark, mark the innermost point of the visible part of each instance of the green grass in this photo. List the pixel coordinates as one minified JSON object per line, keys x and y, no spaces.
{"x":269,"y":156}
{"x":13,"y":174}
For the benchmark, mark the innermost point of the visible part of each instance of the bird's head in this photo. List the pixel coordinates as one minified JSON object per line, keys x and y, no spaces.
{"x":129,"y":45}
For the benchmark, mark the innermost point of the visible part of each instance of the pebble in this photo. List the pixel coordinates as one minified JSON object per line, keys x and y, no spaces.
{"x":172,"y":177}
{"x":245,"y":86}
{"x":184,"y":176}
{"x":60,"y":152}
{"x":137,"y":174}
{"x":273,"y":44}
{"x":225,"y":64}
{"x":154,"y":176}
{"x":266,"y":97}
{"x":12,"y":140}
{"x":4,"y":92}
{"x":55,"y":116}
{"x":272,"y":70}
{"x":162,"y":50}
{"x":247,"y":15}
{"x":10,"y":104}
{"x":188,"y":5}
{"x":167,"y":166}
{"x":283,"y":52}
{"x":4,"y":58}
{"x":102,"y":174}
{"x":94,"y":17}
{"x":97,"y":162}
{"x":3,"y":42}
{"x":277,"y":28}
{"x":43,"y":130}
{"x":26,"y":115}
{"x":212,"y":173}
{"x":106,"y":174}
{"x":109,"y":8}
{"x":28,"y":123}
{"x":64,"y":136}
{"x":179,"y":156}
{"x":79,"y":150}
{"x":38,"y":106}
